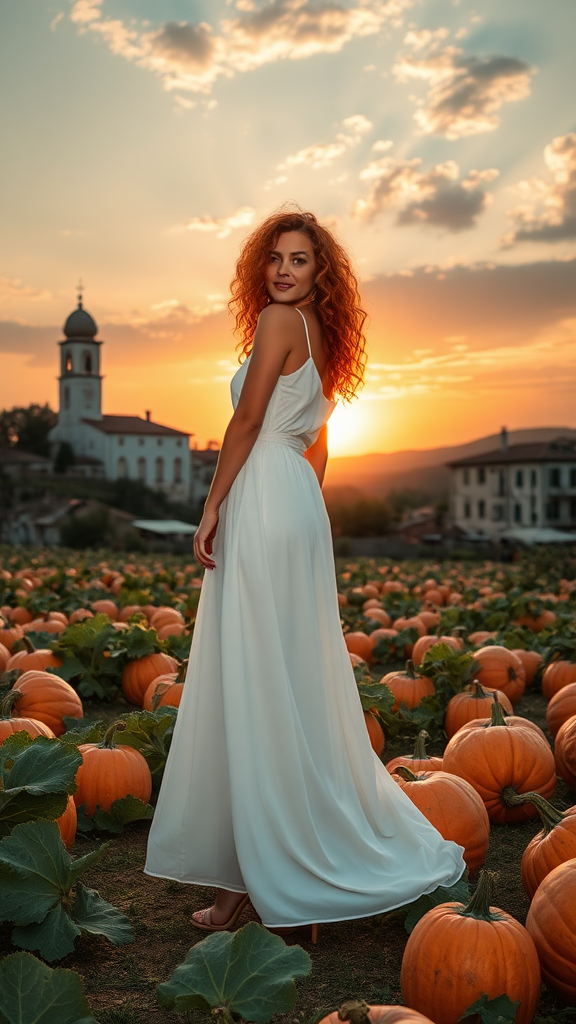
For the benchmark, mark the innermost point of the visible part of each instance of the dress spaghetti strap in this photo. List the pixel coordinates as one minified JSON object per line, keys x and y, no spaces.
{"x":306,"y":329}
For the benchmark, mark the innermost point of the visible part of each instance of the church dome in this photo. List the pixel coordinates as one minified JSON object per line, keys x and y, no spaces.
{"x":80,"y":324}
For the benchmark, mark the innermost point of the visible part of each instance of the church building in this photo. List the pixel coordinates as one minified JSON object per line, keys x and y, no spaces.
{"x":111,"y":447}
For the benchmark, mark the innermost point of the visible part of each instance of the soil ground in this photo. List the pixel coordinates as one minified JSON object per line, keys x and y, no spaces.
{"x":353,"y":959}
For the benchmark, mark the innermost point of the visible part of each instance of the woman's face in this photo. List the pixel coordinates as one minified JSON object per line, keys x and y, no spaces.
{"x":291,"y":268}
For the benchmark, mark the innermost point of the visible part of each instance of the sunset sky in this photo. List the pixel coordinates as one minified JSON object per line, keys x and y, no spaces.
{"x":142,"y":140}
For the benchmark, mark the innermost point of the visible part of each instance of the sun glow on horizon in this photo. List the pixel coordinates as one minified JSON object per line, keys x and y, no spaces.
{"x":352,"y":429}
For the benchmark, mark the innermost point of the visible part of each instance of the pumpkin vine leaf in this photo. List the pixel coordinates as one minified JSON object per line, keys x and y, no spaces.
{"x":138,"y":642}
{"x":36,"y":777}
{"x":41,"y":895}
{"x":33,"y":993}
{"x":500,"y":1010}
{"x":150,"y":732}
{"x":122,"y":812}
{"x":83,"y":731}
{"x":85,"y":649}
{"x":248,"y":973}
{"x":458,"y":893}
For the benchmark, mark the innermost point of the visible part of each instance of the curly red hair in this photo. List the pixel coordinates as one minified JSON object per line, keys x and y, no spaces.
{"x":337,"y":298}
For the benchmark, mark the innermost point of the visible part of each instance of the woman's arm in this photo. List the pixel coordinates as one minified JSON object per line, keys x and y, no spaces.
{"x":317,"y":454}
{"x":274,"y":339}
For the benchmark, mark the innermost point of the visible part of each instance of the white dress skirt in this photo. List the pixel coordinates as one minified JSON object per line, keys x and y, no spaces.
{"x":271,"y":786}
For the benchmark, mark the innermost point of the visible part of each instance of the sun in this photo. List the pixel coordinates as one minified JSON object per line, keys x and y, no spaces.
{"x":355,"y":429}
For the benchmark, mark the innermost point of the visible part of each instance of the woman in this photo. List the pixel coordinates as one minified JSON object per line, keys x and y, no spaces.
{"x":271,"y":790}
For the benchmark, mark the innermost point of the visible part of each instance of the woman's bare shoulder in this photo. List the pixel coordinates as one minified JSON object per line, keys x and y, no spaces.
{"x":278,"y":314}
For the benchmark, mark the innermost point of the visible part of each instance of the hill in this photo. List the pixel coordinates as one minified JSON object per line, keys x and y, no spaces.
{"x":420,"y":469}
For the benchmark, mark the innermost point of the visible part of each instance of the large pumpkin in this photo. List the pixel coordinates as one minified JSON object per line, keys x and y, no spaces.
{"x":556,"y":675}
{"x":473,"y":702}
{"x":47,"y":698}
{"x":418,"y":761}
{"x":532,"y":662}
{"x":140,"y":672}
{"x":110,"y":772}
{"x":408,"y":687}
{"x":9,"y":725}
{"x":453,"y":807}
{"x":31,"y":657}
{"x":550,"y":847}
{"x":166,"y":689}
{"x":457,"y":952}
{"x":501,"y":669}
{"x":561,"y":707}
{"x":359,"y":643}
{"x":551,"y":922}
{"x":360,"y":1013}
{"x":565,"y":752}
{"x":502,"y":760}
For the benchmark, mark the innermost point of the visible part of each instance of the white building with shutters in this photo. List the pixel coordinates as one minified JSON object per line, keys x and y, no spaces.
{"x":112,"y":447}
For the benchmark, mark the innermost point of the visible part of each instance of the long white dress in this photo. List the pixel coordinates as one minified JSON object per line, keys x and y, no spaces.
{"x":271,"y":785}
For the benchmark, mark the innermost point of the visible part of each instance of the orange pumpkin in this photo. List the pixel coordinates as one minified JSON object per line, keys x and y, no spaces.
{"x":30,"y":657}
{"x":425,"y":643}
{"x":408,"y":687}
{"x":361,"y":1013}
{"x":429,"y":618}
{"x":537,"y":622}
{"x":80,"y":614}
{"x":500,"y":669}
{"x":106,"y":607}
{"x":414,"y":622}
{"x":47,"y":698}
{"x":480,"y":637}
{"x":457,"y":952}
{"x":19,"y":615}
{"x":67,"y":823}
{"x":9,"y":725}
{"x":499,"y":761}
{"x":140,"y":672}
{"x":375,"y":732}
{"x":110,"y":772}
{"x":473,"y":702}
{"x":561,"y":707}
{"x":166,"y":689}
{"x":453,"y":806}
{"x":557,"y":675}
{"x":532,"y":662}
{"x":359,"y":643}
{"x":419,"y":761}
{"x":551,"y":922}
{"x":565,"y":752}
{"x":10,"y":634}
{"x":4,"y":657}
{"x":555,"y":844}
{"x":378,"y":615}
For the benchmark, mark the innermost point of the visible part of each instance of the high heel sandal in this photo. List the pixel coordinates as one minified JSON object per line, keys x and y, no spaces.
{"x":314,"y":929}
{"x":206,"y":926}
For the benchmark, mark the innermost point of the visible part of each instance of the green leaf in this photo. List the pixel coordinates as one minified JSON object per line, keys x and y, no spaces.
{"x":250,"y":972}
{"x":53,"y":937}
{"x":138,"y":642}
{"x":95,"y":915}
{"x":36,"y":777}
{"x":177,"y":646}
{"x":376,"y":695}
{"x":500,"y":1010}
{"x":85,"y":732}
{"x":122,"y":812}
{"x":33,"y":993}
{"x":150,"y":732}
{"x":458,"y":893}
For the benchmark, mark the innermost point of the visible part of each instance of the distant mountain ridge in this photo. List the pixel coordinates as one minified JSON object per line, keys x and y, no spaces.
{"x":378,"y":474}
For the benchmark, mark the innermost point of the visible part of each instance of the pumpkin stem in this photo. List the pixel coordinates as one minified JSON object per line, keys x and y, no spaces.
{"x":497,"y":714}
{"x":356,"y":1011}
{"x":28,"y":645}
{"x":477,"y":690}
{"x":181,"y":676}
{"x":410,"y":669}
{"x":479,"y":905}
{"x":550,"y":815}
{"x":405,"y":773}
{"x":108,"y":737}
{"x":420,"y":746}
{"x":9,"y":702}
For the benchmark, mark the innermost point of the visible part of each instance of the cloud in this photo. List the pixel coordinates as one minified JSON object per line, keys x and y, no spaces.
{"x":323,"y":154}
{"x":191,"y":56}
{"x":435,"y":198}
{"x":222,"y":226}
{"x":12,"y":289}
{"x":464,"y":91}
{"x":548,"y":210}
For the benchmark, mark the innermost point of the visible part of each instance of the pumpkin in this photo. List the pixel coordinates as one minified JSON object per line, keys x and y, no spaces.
{"x":561,"y":707}
{"x":383,"y":633}
{"x":359,"y":643}
{"x":355,"y":660}
{"x":138,"y":673}
{"x":110,"y":772}
{"x":480,"y":637}
{"x":378,"y":615}
{"x":4,"y":657}
{"x":8,"y":725}
{"x":457,"y":952}
{"x":166,"y":689}
{"x":375,"y":732}
{"x":532,"y":662}
{"x":10,"y":634}
{"x":453,"y":807}
{"x":106,"y":607}
{"x":68,"y":823}
{"x":408,"y":687}
{"x":556,"y":675}
{"x":473,"y":702}
{"x":512,"y":721}
{"x":164,"y":615}
{"x":537,"y":622}
{"x":500,"y":669}
{"x":80,"y":614}
{"x":565,"y":752}
{"x":425,"y":643}
{"x":30,"y":657}
{"x":47,"y":698}
{"x":550,"y":847}
{"x":551,"y":922}
{"x":419,"y":761}
{"x":501,"y":761}
{"x":410,"y":623}
{"x":169,"y":629}
{"x":128,"y":611}
{"x":19,"y":615}
{"x":361,"y":1013}
{"x":429,"y":618}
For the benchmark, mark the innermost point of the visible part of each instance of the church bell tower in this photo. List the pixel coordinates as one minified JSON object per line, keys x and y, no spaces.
{"x":80,"y":380}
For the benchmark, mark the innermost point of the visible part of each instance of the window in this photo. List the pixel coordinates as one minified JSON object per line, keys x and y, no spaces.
{"x":122,"y":468}
{"x":120,"y":440}
{"x":481,"y":509}
{"x":465,"y":476}
{"x":177,"y":471}
{"x":573,"y":478}
{"x":517,"y":512}
{"x":68,"y":366}
{"x":553,"y":509}
{"x":481,"y":475}
{"x":179,"y":442}
{"x":159,"y":470}
{"x":467,"y":510}
{"x":159,"y":440}
{"x":519,"y":478}
{"x":498,"y":512}
{"x":66,"y":397}
{"x":141,"y":442}
{"x":141,"y":469}
{"x":501,"y":483}
{"x":554,"y":477}
{"x":87,"y":362}
{"x":572,"y":508}
{"x":533,"y":478}
{"x":533,"y":512}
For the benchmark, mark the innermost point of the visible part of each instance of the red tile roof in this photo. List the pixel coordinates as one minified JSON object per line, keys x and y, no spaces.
{"x":133,"y":425}
{"x":562,"y":449}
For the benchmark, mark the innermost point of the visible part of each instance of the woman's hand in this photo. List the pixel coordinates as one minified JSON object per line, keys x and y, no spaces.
{"x":204,"y":537}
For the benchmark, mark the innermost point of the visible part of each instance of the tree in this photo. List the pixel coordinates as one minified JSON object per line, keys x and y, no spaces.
{"x":86,"y":531}
{"x":27,"y":428}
